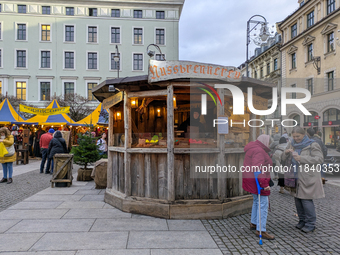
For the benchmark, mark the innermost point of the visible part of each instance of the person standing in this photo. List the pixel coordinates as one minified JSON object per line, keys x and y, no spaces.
{"x":280,"y":148}
{"x":102,"y":145}
{"x":57,"y":145}
{"x":257,"y":155}
{"x":7,"y":161}
{"x":306,"y":155}
{"x":38,"y":134}
{"x":44,"y":142}
{"x":30,"y":143}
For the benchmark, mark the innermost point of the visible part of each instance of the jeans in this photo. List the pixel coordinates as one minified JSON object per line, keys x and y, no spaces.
{"x":7,"y":168}
{"x":306,"y":210}
{"x":43,"y":160}
{"x":52,"y":164}
{"x":264,"y":212}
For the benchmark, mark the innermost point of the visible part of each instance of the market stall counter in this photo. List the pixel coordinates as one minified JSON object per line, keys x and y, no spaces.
{"x":165,"y":157}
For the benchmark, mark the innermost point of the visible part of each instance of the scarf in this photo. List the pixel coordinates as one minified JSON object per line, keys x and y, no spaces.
{"x":298,"y":147}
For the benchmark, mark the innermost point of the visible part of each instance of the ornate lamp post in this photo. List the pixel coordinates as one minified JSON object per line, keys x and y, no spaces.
{"x":152,"y":53}
{"x":116,"y":58}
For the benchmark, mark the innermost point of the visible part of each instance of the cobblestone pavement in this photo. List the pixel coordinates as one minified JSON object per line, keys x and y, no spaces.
{"x":234,"y":237}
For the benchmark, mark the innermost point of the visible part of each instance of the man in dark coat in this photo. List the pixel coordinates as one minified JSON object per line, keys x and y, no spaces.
{"x":57,"y":145}
{"x":38,"y":134}
{"x":193,"y":120}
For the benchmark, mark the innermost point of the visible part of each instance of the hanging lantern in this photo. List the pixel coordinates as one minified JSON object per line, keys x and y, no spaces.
{"x":158,"y":112}
{"x":118,"y":116}
{"x":175,"y":102}
{"x":134,"y":102}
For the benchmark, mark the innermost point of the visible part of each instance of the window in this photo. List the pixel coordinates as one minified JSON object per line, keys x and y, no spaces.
{"x":69,"y":60}
{"x":45,"y":32}
{"x":0,"y":30}
{"x":46,"y":10}
{"x":138,"y":35}
{"x":115,"y":13}
{"x":137,"y":61}
{"x":21,"y":32}
{"x":330,"y":42}
{"x":261,"y":72}
{"x":294,"y":94}
{"x":21,"y":8}
{"x":160,"y":15}
{"x":310,"y":85}
{"x":0,"y":61}
{"x":275,"y":64}
{"x":114,"y":64}
{"x":138,"y":14}
{"x":330,"y":6}
{"x":302,"y":3}
{"x":21,"y":58}
{"x":68,"y":88}
{"x":0,"y":11}
{"x":160,"y":35}
{"x":160,"y":57}
{"x":93,"y":12}
{"x":70,"y":11}
{"x":293,"y":60}
{"x":92,"y":34}
{"x":293,"y":30}
{"x":268,"y":68}
{"x":115,"y":35}
{"x":330,"y":81}
{"x":0,"y":87}
{"x":69,"y":33}
{"x":45,"y":59}
{"x":331,"y":115}
{"x":21,"y":90}
{"x":45,"y":91}
{"x":310,"y":19}
{"x":310,"y":52}
{"x":90,"y":86}
{"x":255,"y":75}
{"x":92,"y":60}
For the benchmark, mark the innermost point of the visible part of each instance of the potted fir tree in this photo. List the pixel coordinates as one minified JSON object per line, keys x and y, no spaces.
{"x":85,"y":154}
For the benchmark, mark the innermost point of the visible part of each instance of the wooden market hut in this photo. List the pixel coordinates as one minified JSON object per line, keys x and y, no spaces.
{"x":151,"y":163}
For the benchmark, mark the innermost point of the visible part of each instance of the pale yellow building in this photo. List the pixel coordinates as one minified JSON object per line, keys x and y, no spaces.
{"x":310,"y":59}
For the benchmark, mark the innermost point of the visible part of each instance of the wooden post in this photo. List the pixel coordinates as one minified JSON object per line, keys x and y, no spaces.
{"x":221,"y":181}
{"x":111,"y":132}
{"x":170,"y":144}
{"x":127,"y":144}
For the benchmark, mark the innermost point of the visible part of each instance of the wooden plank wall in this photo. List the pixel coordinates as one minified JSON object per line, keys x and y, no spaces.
{"x":118,"y":171}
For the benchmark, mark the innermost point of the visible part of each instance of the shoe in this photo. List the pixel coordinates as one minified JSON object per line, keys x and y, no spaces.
{"x":307,"y":230}
{"x":3,"y":180}
{"x":265,"y":235}
{"x":324,"y":181}
{"x":10,"y":180}
{"x":41,"y":172}
{"x":300,"y":225}
{"x":252,"y":226}
{"x":51,"y":173}
{"x":47,"y":172}
{"x":282,"y":190}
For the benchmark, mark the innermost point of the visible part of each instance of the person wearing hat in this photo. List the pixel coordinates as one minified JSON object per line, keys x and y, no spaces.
{"x":44,"y":143}
{"x":192,"y":121}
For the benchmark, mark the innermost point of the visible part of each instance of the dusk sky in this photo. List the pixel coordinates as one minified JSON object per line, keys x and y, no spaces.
{"x":214,"y":31}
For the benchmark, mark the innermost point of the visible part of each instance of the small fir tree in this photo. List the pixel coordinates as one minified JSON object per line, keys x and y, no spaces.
{"x":87,"y":152}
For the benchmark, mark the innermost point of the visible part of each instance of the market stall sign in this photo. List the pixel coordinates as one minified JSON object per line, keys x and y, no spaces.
{"x":113,"y":100}
{"x":168,"y":70}
{"x":44,"y":112}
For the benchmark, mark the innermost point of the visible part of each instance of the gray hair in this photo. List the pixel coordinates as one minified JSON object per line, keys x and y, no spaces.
{"x":299,"y":130}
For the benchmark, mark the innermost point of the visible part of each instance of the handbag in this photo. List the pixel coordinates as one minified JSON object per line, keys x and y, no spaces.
{"x":289,"y":177}
{"x":11,"y":151}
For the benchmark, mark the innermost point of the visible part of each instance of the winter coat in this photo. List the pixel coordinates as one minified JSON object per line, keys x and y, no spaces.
{"x":309,"y":183}
{"x":57,"y":145}
{"x":280,"y":148}
{"x":275,"y":143}
{"x":256,"y":155}
{"x":8,"y":141}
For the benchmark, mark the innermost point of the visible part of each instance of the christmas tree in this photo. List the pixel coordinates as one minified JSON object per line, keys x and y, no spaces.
{"x":87,"y":152}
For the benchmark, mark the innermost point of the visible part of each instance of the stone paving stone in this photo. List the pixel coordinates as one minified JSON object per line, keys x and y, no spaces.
{"x":93,"y":198}
{"x":81,"y":204}
{"x":185,"y":225}
{"x":186,"y":252}
{"x":41,"y":253}
{"x":38,"y":198}
{"x":170,"y":239}
{"x":35,"y":205}
{"x":33,"y":214}
{"x":50,"y":226}
{"x":59,"y":191}
{"x":96,"y":214}
{"x":115,"y":252}
{"x":87,"y":192}
{"x":81,"y":241}
{"x":18,"y":242}
{"x":7,"y":224}
{"x":107,"y":225}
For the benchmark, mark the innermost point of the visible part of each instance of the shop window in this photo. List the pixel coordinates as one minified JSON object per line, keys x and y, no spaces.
{"x":331,"y":115}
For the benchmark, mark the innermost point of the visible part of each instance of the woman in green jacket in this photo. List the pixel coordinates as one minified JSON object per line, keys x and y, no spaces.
{"x":7,"y":162}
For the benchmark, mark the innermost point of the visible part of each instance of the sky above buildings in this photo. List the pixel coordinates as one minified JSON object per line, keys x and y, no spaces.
{"x":214,"y":31}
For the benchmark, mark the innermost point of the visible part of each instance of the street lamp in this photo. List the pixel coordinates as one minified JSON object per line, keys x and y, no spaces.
{"x":116,"y":58}
{"x":152,"y":53}
{"x":263,"y":36}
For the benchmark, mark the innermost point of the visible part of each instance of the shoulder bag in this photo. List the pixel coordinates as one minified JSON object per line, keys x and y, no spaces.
{"x":11,"y":151}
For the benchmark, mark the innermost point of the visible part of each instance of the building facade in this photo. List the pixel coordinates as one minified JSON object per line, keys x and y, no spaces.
{"x":310,"y":59}
{"x":60,"y":47}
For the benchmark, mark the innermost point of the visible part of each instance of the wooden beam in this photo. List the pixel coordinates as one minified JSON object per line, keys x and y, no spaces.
{"x":170,"y":144}
{"x":148,"y":93}
{"x":127,"y":144}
